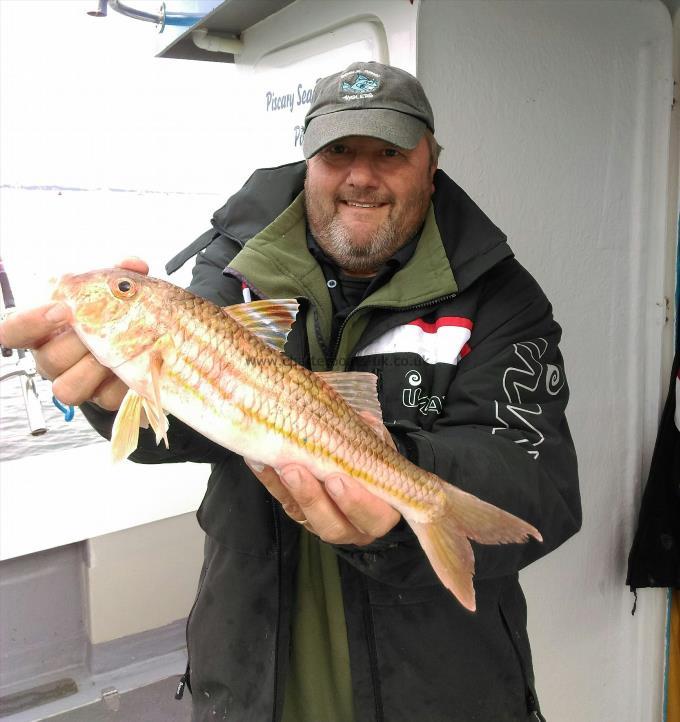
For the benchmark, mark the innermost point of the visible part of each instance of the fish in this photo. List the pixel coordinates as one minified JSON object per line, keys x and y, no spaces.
{"x":223,"y":371}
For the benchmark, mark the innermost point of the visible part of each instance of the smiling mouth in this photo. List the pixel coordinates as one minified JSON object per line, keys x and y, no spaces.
{"x":357,"y":204}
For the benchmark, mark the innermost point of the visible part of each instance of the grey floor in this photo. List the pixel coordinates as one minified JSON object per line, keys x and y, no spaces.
{"x":153,"y":703}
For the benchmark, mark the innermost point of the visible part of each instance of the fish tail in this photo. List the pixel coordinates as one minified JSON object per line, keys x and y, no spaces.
{"x":451,"y":557}
{"x":445,"y":540}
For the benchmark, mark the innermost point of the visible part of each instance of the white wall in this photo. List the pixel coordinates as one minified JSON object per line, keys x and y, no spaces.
{"x":142,"y":578}
{"x":555,"y":118}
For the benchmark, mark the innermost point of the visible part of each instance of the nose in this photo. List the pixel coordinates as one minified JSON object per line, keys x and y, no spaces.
{"x":363,"y":172}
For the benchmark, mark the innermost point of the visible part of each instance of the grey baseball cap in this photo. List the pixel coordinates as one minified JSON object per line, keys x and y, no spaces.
{"x":371,"y":99}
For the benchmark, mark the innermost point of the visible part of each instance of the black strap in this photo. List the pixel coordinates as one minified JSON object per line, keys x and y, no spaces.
{"x":7,"y":296}
{"x":203,"y":241}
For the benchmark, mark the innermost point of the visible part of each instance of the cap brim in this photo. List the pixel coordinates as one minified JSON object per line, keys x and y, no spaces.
{"x":400,"y":129}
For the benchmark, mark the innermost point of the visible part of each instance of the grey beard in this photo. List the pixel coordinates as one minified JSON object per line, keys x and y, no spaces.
{"x":336,"y":241}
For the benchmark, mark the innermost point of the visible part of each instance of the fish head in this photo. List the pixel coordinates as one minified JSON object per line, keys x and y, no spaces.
{"x":118,"y":314}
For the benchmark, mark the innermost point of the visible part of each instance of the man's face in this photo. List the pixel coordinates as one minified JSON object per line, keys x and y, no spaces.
{"x":366,"y":198}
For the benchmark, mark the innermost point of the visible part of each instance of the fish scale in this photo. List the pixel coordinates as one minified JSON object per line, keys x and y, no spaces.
{"x":350,"y":451}
{"x":221,"y":371}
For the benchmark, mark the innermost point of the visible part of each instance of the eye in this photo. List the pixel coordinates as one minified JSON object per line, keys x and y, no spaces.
{"x":335,"y":149}
{"x":123,"y":287}
{"x":391,"y":152}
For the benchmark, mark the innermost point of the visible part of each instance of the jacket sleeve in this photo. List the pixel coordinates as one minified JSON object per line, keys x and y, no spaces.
{"x":185,"y":444}
{"x":502,"y":436}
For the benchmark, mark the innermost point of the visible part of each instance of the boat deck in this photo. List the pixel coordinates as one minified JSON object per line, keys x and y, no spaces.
{"x":153,"y":703}
{"x":143,"y":692}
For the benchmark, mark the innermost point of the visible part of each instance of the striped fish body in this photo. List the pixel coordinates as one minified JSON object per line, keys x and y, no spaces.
{"x":221,"y":371}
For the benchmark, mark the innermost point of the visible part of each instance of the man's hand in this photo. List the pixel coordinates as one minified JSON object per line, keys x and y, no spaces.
{"x":60,"y":355}
{"x":340,"y":511}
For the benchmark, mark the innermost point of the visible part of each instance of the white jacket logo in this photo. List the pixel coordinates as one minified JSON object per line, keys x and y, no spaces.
{"x":521,"y":383}
{"x":443,"y":341}
{"x":413,"y":396}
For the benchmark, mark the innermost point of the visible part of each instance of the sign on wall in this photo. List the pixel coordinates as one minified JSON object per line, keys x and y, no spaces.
{"x":282,"y":85}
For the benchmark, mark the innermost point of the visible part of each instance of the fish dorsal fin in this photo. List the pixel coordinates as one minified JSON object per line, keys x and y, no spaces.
{"x":358,"y":388}
{"x":270,"y":320}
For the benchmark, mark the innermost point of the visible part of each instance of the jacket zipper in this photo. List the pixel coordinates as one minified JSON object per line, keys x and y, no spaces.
{"x":529,"y":696}
{"x":372,"y":652}
{"x":183,"y":682}
{"x":185,"y":679}
{"x":368,"y":621}
{"x":425,"y":304}
{"x":279,"y":585}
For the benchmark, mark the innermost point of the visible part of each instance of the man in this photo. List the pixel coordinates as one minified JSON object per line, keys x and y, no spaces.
{"x":316,"y":603}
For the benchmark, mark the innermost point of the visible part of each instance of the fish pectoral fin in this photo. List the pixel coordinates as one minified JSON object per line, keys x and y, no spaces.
{"x":125,"y":431}
{"x":270,"y":320}
{"x":159,"y":424}
{"x":153,"y":408}
{"x":358,"y":388}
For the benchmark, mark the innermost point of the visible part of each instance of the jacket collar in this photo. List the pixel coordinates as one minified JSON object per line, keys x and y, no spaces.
{"x":472,"y":243}
{"x":282,"y":247}
{"x":277,"y":263}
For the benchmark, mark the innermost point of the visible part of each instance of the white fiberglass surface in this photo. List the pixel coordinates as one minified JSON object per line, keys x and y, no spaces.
{"x":555,"y":118}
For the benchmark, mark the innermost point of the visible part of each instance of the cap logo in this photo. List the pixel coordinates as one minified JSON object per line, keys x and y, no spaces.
{"x":359,"y":84}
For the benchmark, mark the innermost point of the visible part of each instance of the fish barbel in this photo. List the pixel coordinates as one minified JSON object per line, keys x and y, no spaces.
{"x":222,"y":372}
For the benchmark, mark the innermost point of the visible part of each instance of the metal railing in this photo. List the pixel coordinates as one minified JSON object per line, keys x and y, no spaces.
{"x":161,"y":18}
{"x":24,"y":366}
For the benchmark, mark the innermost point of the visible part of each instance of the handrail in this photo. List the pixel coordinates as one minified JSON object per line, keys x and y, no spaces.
{"x":162,"y":19}
{"x":24,"y":367}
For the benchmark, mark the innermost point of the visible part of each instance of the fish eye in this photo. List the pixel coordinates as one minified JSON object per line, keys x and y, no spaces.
{"x":123,"y":287}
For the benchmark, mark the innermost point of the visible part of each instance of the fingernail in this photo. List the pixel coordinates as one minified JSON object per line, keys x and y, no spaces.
{"x":335,"y":486}
{"x":254,"y":465}
{"x":58,"y":312}
{"x":291,"y":478}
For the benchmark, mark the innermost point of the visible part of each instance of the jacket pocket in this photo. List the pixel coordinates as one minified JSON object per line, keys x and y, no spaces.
{"x":436,"y":661}
{"x":185,"y":680}
{"x":512,"y":609}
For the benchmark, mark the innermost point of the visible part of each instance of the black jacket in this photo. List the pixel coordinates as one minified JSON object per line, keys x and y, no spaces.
{"x":654,"y":559}
{"x":489,"y":418}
